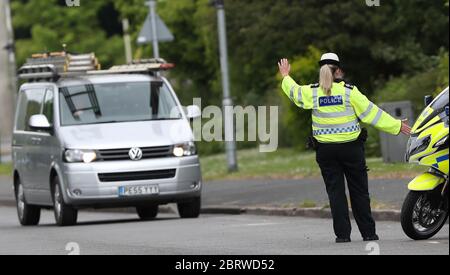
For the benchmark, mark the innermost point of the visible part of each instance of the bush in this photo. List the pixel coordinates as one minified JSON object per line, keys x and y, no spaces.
{"x":413,"y":88}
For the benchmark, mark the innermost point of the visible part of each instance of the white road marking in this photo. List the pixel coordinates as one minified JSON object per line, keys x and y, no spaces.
{"x":261,"y":224}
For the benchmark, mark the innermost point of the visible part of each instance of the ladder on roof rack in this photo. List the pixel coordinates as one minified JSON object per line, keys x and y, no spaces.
{"x":52,"y":66}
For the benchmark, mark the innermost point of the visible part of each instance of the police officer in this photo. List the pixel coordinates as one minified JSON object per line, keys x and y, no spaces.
{"x":337,"y":109}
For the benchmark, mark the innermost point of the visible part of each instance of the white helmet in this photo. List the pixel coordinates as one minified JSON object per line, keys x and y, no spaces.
{"x":330,"y":59}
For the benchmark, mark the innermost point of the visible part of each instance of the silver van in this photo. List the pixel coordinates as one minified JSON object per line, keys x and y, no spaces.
{"x":100,"y":139}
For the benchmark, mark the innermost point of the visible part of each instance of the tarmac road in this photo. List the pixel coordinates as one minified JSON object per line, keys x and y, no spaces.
{"x":268,"y":192}
{"x":391,"y":192}
{"x":115,"y":233}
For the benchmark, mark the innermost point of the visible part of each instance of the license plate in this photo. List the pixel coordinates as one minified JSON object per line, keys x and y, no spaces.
{"x":126,"y":191}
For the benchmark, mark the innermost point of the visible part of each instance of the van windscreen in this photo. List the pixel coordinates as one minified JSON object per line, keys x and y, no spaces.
{"x":116,"y":102}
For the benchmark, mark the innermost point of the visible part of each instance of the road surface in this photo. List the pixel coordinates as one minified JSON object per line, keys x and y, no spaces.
{"x":248,"y":193}
{"x":114,"y":233}
{"x":389,"y":192}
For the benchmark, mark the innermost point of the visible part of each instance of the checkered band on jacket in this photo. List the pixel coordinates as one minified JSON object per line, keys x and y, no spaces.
{"x":330,"y":131}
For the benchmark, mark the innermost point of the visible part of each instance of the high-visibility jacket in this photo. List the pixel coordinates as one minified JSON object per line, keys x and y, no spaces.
{"x":336,"y":118}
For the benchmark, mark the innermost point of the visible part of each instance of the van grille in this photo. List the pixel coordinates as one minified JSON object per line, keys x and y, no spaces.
{"x":141,"y":175}
{"x":147,"y":153}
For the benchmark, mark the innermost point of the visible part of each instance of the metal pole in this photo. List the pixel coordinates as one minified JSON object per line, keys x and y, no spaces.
{"x":127,"y":40}
{"x":152,"y":6}
{"x":8,"y":79}
{"x":10,"y":47}
{"x":230,"y":142}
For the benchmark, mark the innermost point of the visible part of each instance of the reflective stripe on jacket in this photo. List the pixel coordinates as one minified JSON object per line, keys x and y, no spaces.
{"x":336,"y":117}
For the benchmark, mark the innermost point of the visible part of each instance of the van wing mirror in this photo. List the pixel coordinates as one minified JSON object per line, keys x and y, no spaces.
{"x":39,"y":122}
{"x":428,"y":99}
{"x":193,"y":112}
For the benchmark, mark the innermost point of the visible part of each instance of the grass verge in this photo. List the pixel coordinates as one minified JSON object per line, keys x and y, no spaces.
{"x":291,"y":164}
{"x":5,"y":169}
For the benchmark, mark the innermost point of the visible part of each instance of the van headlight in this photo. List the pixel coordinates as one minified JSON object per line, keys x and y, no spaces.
{"x":86,"y":156}
{"x":183,"y":150}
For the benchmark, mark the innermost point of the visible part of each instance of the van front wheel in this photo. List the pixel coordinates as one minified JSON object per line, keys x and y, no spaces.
{"x":190,"y":210}
{"x":28,"y":214}
{"x":64,"y":214}
{"x":147,"y":213}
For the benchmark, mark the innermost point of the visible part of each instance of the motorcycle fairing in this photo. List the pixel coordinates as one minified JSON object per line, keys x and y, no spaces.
{"x":425,"y":182}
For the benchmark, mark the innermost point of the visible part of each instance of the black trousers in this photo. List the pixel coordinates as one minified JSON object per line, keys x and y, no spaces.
{"x":337,"y":163}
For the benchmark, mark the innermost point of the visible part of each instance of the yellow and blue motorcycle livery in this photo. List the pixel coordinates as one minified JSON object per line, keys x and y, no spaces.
{"x":425,"y":210}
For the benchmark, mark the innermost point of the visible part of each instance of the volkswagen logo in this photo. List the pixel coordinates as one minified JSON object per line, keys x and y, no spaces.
{"x":135,"y":153}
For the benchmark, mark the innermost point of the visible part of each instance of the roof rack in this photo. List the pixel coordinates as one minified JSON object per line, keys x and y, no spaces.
{"x":144,"y":66}
{"x":55,"y":65}
{"x":52,"y":66}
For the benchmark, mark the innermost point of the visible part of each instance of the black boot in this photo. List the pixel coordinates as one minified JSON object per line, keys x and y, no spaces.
{"x":343,"y":240}
{"x":372,"y":238}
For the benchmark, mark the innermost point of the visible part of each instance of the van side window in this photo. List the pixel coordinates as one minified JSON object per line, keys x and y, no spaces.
{"x":47,"y":109}
{"x":30,"y":104}
{"x":21,"y":107}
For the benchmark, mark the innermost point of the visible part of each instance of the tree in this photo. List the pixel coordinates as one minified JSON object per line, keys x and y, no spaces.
{"x":401,"y":39}
{"x":45,"y":25}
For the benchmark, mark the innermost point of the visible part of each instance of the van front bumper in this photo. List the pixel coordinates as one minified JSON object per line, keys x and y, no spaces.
{"x":83,"y":187}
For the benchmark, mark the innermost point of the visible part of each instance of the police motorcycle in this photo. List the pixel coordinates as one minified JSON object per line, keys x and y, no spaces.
{"x":425,"y":210}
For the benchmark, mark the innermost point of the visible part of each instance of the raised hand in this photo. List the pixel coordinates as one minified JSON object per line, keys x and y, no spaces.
{"x":284,"y":67}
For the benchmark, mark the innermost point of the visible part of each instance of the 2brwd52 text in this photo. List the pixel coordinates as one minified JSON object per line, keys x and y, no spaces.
{"x":225,"y":265}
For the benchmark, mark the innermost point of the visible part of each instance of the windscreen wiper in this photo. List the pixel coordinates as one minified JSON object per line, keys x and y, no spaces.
{"x":90,"y":92}
{"x":155,"y":88}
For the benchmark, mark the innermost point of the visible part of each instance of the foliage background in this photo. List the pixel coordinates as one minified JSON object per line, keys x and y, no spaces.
{"x":393,"y":52}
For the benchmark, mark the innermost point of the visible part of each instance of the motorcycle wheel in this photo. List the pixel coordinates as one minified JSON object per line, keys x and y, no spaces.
{"x":421,"y":217}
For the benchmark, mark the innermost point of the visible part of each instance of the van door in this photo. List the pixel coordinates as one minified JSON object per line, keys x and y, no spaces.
{"x":46,"y":150}
{"x":19,"y":153}
{"x":26,"y":143}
